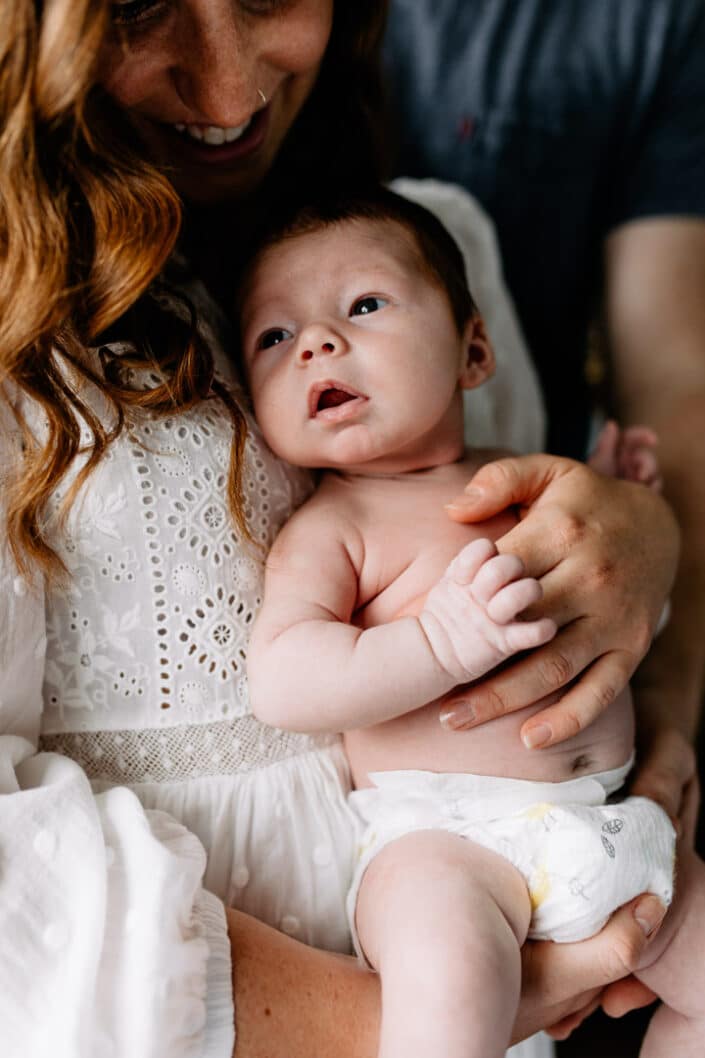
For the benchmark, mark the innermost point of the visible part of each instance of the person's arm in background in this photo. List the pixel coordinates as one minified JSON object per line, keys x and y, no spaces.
{"x":656,"y":326}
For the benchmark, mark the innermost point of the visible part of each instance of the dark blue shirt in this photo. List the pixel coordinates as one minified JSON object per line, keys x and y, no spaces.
{"x":566,"y":118}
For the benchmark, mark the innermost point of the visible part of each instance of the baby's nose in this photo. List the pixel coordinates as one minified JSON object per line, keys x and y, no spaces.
{"x":326,"y":347}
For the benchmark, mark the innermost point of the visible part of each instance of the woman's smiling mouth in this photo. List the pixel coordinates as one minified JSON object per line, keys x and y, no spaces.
{"x":198,"y":144}
{"x":214,"y":135}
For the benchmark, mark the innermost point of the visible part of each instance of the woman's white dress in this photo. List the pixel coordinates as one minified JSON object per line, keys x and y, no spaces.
{"x":133,"y":672}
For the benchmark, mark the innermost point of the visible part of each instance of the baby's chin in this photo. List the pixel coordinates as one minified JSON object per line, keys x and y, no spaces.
{"x":356,"y":450}
{"x":350,"y":450}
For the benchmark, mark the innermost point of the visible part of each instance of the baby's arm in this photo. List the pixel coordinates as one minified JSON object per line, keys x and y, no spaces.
{"x":310,"y":669}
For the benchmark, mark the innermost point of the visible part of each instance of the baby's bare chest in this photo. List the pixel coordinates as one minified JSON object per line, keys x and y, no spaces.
{"x":409,"y":541}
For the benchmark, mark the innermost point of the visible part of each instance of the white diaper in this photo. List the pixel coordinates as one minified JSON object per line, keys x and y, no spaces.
{"x":582,"y":857}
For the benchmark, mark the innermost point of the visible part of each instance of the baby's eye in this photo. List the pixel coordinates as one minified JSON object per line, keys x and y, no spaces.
{"x":370,"y":303}
{"x":273,"y":337}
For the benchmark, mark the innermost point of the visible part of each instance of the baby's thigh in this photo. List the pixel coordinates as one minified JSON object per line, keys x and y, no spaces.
{"x":431,"y":892}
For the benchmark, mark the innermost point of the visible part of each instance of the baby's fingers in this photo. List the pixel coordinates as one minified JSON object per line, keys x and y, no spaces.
{"x":464,"y":567}
{"x":513,"y":599}
{"x":526,"y":635}
{"x":495,"y":574}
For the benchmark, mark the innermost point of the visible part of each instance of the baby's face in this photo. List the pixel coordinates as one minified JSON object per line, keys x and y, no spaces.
{"x":352,"y":353}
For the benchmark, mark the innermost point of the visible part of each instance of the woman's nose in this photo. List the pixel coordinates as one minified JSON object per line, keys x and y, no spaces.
{"x":214,"y":65}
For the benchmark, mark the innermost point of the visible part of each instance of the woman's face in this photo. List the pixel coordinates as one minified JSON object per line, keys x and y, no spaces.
{"x":190,"y":75}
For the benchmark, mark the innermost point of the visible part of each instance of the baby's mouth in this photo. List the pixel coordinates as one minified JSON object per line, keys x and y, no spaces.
{"x":331,"y":398}
{"x":324,"y":396}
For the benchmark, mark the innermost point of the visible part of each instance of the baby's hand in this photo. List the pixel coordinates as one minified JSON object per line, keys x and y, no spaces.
{"x":470,"y":616}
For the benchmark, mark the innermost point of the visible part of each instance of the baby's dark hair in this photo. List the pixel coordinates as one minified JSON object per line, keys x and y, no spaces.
{"x":438,"y":252}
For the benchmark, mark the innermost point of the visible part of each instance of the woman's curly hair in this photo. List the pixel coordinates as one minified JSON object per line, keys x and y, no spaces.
{"x":87,"y":225}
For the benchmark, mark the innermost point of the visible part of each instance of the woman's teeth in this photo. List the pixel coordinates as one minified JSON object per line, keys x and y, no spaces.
{"x":213,"y":135}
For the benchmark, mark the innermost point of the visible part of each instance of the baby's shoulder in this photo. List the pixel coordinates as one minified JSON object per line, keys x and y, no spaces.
{"x":325,"y":522}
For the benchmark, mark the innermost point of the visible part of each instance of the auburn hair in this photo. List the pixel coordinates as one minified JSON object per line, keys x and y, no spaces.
{"x":87,"y":225}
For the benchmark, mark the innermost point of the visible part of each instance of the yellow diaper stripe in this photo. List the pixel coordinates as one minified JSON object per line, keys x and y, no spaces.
{"x":539,"y":887}
{"x":537,"y":811}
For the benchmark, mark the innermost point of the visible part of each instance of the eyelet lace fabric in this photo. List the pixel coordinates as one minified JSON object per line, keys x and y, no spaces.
{"x":189,"y":751}
{"x":134,"y":667}
{"x":145,"y":671}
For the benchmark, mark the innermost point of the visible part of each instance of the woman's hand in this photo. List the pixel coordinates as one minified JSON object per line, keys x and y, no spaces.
{"x":605,"y":552}
{"x":563,"y":983}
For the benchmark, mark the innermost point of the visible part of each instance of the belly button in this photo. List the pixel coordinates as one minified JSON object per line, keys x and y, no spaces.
{"x":581,"y":763}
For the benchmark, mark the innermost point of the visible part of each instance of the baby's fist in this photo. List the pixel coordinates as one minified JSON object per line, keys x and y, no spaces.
{"x":470,"y":617}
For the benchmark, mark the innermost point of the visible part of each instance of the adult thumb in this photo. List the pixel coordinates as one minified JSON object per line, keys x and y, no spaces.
{"x":513,"y":481}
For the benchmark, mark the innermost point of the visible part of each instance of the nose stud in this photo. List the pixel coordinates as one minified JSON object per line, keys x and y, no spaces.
{"x":262,"y":96}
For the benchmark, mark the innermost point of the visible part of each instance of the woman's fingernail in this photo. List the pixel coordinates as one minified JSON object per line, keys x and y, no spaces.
{"x":459,"y":715}
{"x":461,"y":504}
{"x":649,"y":913}
{"x":468,"y":499}
{"x":537,"y":736}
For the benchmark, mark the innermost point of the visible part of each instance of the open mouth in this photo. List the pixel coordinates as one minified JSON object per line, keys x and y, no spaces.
{"x":214,"y":135}
{"x":332,"y":398}
{"x":213,"y":144}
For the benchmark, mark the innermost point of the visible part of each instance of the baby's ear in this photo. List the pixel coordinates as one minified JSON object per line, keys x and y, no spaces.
{"x":478,"y":357}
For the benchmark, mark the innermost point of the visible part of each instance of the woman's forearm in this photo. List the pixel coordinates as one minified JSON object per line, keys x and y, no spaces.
{"x":292,"y":1001}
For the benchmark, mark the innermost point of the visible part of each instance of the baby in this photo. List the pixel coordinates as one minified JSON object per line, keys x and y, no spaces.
{"x":359,"y":335}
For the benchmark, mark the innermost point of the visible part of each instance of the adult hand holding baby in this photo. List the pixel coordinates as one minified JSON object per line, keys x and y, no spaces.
{"x":603,"y":583}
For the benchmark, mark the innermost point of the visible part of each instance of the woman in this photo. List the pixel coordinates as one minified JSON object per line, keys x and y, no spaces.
{"x":128,"y":590}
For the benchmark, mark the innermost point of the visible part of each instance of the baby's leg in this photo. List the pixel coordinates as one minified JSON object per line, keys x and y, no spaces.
{"x":676,"y":971}
{"x":443,"y":920}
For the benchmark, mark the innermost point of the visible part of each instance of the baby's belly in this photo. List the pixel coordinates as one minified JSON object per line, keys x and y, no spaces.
{"x":418,"y":742}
